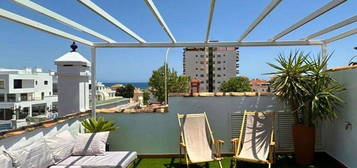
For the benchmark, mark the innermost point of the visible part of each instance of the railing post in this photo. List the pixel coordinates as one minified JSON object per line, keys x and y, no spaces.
{"x":93,"y":81}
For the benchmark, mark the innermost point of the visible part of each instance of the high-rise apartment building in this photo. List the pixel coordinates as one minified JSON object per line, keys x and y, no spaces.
{"x":212,"y":66}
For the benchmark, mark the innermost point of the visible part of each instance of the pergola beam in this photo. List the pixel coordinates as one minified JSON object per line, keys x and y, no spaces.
{"x":332,"y":28}
{"x":260,"y":18}
{"x":62,"y":19}
{"x":210,"y":16}
{"x":159,"y":18}
{"x":308,"y":18}
{"x":39,"y":26}
{"x":92,"y":6}
{"x":209,"y":44}
{"x":341,"y":36}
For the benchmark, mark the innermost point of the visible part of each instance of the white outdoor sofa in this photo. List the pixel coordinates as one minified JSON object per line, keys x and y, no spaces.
{"x":120,"y":159}
{"x":55,"y":152}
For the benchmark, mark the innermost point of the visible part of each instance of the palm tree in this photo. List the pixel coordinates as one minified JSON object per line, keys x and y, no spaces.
{"x":304,"y":84}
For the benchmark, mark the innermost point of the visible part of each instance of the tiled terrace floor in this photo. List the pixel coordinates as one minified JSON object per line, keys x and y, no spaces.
{"x":283,"y":162}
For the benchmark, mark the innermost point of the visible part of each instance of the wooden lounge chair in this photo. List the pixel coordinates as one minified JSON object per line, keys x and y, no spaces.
{"x":256,"y":140}
{"x":194,"y":140}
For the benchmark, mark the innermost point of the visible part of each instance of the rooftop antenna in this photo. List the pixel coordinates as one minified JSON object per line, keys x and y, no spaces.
{"x":74,"y":46}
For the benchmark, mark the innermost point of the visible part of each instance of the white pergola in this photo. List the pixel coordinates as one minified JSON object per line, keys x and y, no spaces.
{"x":110,"y":43}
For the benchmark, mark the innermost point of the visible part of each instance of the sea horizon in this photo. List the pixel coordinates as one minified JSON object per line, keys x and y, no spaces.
{"x":141,"y":85}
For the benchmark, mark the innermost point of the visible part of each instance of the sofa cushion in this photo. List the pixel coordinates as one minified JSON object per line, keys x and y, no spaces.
{"x":34,"y":155}
{"x":120,"y":159}
{"x":61,"y":145}
{"x":90,"y":144}
{"x":5,"y":159}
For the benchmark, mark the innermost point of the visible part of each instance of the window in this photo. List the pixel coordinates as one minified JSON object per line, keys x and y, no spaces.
{"x":23,"y":97}
{"x":42,"y":95}
{"x":196,"y":55}
{"x":11,"y":97}
{"x":218,"y":69}
{"x":202,"y":75}
{"x":2,"y":85}
{"x":218,"y":55}
{"x":218,"y":75}
{"x":6,"y":114}
{"x":45,"y":82}
{"x":196,"y":75}
{"x":201,"y":56}
{"x":23,"y":113}
{"x":202,"y":69}
{"x":196,"y":68}
{"x":202,"y":62}
{"x":224,"y":68}
{"x":17,"y":84}
{"x":2,"y":97}
{"x":218,"y":62}
{"x":35,"y":82}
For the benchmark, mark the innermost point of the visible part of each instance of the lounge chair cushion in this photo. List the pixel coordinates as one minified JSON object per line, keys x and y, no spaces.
{"x":36,"y":154}
{"x":109,"y":160}
{"x":90,"y":144}
{"x":61,"y":145}
{"x":5,"y":159}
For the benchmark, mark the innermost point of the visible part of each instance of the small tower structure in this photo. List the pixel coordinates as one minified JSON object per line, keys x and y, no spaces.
{"x":195,"y":86}
{"x":73,"y":72}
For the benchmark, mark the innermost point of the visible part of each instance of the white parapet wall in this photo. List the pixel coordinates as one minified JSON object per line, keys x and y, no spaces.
{"x":341,"y":142}
{"x":158,"y":133}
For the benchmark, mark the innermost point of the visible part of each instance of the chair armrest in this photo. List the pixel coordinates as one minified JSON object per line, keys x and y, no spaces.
{"x":235,"y":142}
{"x":218,"y":141}
{"x":218,"y":145}
{"x":273,"y":144}
{"x":182,"y":145}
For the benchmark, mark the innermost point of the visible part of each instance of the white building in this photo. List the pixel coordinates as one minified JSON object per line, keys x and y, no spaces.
{"x":103,"y":92}
{"x":73,"y":71}
{"x":25,"y":93}
{"x":224,"y":61}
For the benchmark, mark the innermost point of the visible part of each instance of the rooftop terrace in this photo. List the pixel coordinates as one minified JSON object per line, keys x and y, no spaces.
{"x":157,"y":134}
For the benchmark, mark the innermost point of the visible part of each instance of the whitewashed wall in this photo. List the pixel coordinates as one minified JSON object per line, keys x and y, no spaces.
{"x":342,"y":143}
{"x":158,"y":133}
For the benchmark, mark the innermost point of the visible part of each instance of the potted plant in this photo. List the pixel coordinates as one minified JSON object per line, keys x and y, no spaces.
{"x":311,"y":94}
{"x":93,"y":125}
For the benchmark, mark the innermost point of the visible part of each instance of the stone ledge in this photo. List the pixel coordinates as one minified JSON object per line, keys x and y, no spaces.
{"x":343,"y":68}
{"x":43,"y":124}
{"x":219,"y":94}
{"x":149,"y":109}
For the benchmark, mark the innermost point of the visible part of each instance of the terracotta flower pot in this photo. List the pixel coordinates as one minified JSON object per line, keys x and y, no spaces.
{"x":304,"y":144}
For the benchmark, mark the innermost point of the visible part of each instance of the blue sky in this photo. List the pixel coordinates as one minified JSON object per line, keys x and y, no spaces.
{"x":21,"y":46}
